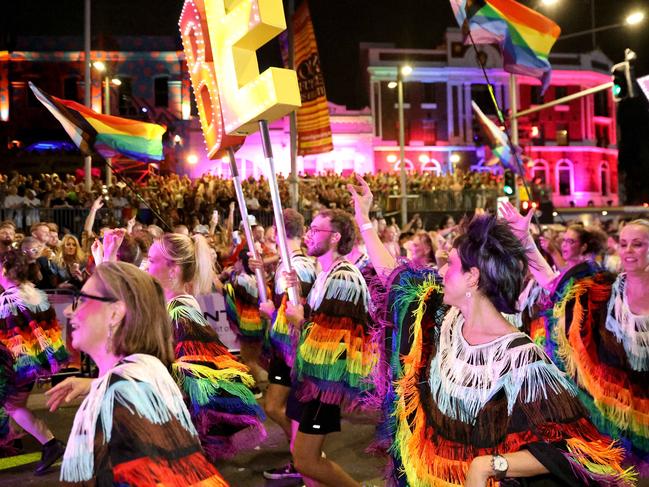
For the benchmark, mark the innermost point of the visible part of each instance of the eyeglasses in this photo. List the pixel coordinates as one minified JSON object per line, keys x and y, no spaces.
{"x":76,"y":295}
{"x":316,"y":230}
{"x":35,"y":250}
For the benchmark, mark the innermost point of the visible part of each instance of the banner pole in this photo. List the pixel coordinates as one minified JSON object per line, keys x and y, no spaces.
{"x":293,"y":295}
{"x":243,"y":209}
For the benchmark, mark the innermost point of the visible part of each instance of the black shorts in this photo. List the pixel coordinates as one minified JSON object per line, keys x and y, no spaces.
{"x":279,"y":372}
{"x":315,"y":417}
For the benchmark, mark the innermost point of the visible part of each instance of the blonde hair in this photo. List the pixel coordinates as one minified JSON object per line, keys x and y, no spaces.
{"x":193,"y":256}
{"x":146,"y":326}
{"x":640,"y":222}
{"x":60,"y":258}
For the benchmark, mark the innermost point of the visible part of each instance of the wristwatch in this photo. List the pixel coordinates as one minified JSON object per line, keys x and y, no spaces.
{"x":499,"y":466}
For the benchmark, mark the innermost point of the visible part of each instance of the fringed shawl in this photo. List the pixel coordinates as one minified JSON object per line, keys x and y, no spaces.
{"x":147,"y":390}
{"x":216,"y":386}
{"x":242,"y":308}
{"x":452,"y":401}
{"x":336,"y":355}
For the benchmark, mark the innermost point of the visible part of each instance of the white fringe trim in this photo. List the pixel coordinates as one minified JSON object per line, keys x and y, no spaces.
{"x":464,"y":378}
{"x":343,"y":282}
{"x":17,"y":299}
{"x":304,"y":267}
{"x":148,"y":391}
{"x":631,"y":330}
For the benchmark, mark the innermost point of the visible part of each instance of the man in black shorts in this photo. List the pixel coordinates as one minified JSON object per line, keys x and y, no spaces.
{"x":335,"y":354}
{"x":282,"y":336}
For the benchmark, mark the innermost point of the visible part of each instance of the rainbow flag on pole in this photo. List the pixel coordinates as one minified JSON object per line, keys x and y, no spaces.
{"x":525,"y":36}
{"x":497,"y":140}
{"x":106,"y":134}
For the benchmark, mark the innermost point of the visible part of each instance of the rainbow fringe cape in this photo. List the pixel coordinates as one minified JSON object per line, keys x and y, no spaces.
{"x":444,"y":406}
{"x":336,"y":354}
{"x":588,"y":344}
{"x":216,"y":385}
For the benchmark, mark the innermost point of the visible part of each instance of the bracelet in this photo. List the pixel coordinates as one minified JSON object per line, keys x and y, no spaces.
{"x":366,"y":226}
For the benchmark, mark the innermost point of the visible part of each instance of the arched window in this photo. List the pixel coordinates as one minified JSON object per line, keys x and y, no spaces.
{"x":540,"y":170}
{"x":604,"y":178}
{"x":432,"y":166}
{"x":409,"y":165}
{"x":565,"y":177}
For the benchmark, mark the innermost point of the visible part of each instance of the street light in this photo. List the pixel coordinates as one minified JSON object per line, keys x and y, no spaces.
{"x":631,"y":20}
{"x":634,"y":18}
{"x":402,"y":72}
{"x":101,"y":67}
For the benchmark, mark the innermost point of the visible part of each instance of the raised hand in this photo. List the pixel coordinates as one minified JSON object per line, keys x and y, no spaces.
{"x":519,"y":224}
{"x":97,"y":204}
{"x":97,"y":251}
{"x":362,"y":197}
{"x":112,"y":241}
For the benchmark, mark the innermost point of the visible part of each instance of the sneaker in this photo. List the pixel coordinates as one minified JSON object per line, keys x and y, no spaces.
{"x":286,"y":472}
{"x":52,"y":451}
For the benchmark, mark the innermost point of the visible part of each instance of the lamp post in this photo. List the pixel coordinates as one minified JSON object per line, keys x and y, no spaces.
{"x":101,"y":67}
{"x":634,"y":18}
{"x":402,"y":72}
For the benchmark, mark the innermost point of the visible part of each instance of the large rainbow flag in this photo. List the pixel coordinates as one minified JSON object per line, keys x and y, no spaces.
{"x":525,"y":37}
{"x":106,"y":134}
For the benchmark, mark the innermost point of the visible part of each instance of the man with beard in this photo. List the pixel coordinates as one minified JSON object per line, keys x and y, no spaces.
{"x":335,"y":354}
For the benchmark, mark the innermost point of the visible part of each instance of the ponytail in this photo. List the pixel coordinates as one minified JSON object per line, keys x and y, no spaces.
{"x":204,"y":274}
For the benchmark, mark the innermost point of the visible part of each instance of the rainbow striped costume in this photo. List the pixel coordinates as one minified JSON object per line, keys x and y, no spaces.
{"x":604,"y":349}
{"x":336,"y":354}
{"x":242,"y":308}
{"x":216,"y":385}
{"x":282,"y":337}
{"x":447,"y":402}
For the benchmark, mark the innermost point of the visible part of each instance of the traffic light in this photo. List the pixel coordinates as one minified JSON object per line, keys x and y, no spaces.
{"x":510,"y":182}
{"x":623,"y":76}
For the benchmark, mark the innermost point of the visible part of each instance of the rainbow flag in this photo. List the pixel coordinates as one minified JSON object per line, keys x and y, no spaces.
{"x":497,"y":141}
{"x":106,"y":134}
{"x":525,"y":37}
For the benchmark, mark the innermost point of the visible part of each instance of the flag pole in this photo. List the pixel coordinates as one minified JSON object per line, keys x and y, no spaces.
{"x":513,"y":127}
{"x":293,"y":295}
{"x":243,"y":209}
{"x":293,"y":179}
{"x":87,"y":160}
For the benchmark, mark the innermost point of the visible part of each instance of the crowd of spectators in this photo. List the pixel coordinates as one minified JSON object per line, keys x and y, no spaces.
{"x":191,"y":202}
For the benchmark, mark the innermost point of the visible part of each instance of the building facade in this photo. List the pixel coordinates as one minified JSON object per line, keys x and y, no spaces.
{"x":569,"y":149}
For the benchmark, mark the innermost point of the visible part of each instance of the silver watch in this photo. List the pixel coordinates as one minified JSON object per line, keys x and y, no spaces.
{"x":499,"y":466}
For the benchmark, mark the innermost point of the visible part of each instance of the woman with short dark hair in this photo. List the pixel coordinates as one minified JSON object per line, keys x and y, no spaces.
{"x":468,"y":398}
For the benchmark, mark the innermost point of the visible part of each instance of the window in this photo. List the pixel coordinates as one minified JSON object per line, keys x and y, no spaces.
{"x":604,"y":178}
{"x":601,"y":104}
{"x":161,"y":91}
{"x":71,"y":88}
{"x":535,"y":95}
{"x":564,"y":177}
{"x":428,"y":93}
{"x":409,"y":165}
{"x":432,"y":166}
{"x":480,"y":95}
{"x":560,"y":91}
{"x":540,"y":172}
{"x":125,"y":92}
{"x":562,"y":134}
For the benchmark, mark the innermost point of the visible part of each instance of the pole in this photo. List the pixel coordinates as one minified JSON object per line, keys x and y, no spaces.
{"x":243,"y":209}
{"x":87,"y":160}
{"x":513,"y":106}
{"x":284,"y":252}
{"x":109,"y":167}
{"x":402,"y":153}
{"x":293,"y":179}
{"x":565,"y":99}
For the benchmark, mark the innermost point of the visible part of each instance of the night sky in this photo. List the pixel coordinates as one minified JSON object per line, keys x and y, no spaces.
{"x":340,"y":26}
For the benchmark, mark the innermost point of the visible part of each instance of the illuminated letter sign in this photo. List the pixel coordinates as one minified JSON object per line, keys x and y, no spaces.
{"x":198,"y":55}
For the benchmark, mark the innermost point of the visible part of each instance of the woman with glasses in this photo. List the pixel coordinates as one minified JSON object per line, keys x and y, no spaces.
{"x":217,"y":387}
{"x":133,"y":427}
{"x":31,"y":347}
{"x":468,"y":398}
